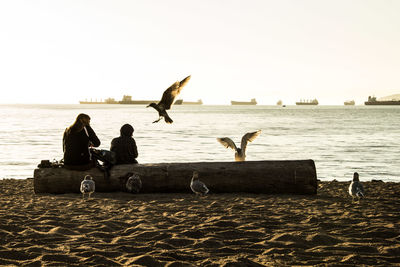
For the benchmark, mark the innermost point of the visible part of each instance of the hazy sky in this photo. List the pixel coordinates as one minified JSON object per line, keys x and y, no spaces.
{"x":55,"y":51}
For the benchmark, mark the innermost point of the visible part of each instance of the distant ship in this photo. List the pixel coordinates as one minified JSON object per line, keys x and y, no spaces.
{"x":106,"y":101}
{"x":252,"y":102}
{"x":372,"y":101}
{"x":181,"y":102}
{"x":307,"y":102}
{"x":349,"y":103}
{"x":126,"y":99}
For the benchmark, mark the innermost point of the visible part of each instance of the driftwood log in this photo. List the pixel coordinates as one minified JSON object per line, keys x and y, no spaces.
{"x":269,"y":177}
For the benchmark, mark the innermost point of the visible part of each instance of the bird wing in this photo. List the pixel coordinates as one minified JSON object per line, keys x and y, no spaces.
{"x":82,"y":187}
{"x":172,"y":91}
{"x":92,"y":185}
{"x":138,"y":182}
{"x":360,"y":190}
{"x":351,"y":189}
{"x":184,"y":81}
{"x":199,"y":187}
{"x":169,"y":95}
{"x":128,"y":184}
{"x":204,"y":188}
{"x":249,"y":137}
{"x":227,"y":142}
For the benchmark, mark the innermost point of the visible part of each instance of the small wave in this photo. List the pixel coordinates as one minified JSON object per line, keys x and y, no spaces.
{"x":15,"y":163}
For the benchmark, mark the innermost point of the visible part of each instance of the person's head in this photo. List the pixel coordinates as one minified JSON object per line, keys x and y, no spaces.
{"x":127,"y":130}
{"x":356,"y":177}
{"x":84,"y":119}
{"x":81,"y":121}
{"x":152,"y":105}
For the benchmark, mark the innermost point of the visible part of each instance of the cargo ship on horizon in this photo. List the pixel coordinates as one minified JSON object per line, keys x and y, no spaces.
{"x":372,"y":101}
{"x":252,"y":102}
{"x":349,"y":103}
{"x":106,"y":101}
{"x":181,"y":102}
{"x":307,"y":102}
{"x":126,"y":100}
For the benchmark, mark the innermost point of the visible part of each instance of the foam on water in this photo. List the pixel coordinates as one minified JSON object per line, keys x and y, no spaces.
{"x":340,"y":139}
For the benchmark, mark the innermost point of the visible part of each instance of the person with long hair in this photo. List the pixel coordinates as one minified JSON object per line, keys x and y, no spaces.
{"x":77,"y":140}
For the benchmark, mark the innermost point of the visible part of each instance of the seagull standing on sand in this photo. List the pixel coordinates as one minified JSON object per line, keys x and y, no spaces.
{"x":167,"y":100}
{"x":197,"y":186}
{"x":240,"y":153}
{"x":134,"y":184}
{"x":356,"y":189}
{"x":87,"y":186}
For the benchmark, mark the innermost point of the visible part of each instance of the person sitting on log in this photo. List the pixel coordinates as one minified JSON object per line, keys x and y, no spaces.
{"x":77,"y":140}
{"x":124,"y":146}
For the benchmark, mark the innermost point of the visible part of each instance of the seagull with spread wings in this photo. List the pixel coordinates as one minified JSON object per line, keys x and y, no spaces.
{"x":167,"y":100}
{"x":240,"y":152}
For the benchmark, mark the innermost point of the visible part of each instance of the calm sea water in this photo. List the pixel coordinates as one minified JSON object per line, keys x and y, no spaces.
{"x":340,"y":139}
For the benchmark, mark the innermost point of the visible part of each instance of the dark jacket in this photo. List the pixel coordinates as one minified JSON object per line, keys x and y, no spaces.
{"x":76,"y":146}
{"x":125,"y":146}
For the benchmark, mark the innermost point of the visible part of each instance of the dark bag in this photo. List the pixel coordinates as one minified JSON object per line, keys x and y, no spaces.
{"x":108,"y":158}
{"x":105,"y":156}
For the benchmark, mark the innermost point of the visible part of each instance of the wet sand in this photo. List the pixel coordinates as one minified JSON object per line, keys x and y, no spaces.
{"x":119,"y":229}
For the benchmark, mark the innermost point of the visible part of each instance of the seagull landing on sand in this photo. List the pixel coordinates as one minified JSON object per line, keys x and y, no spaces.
{"x":197,"y":186}
{"x":167,"y":99}
{"x":87,"y":186}
{"x":134,"y":184}
{"x":356,"y":189}
{"x":240,"y":153}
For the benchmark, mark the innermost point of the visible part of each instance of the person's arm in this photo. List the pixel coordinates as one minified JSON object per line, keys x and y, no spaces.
{"x":113,"y":144}
{"x":135,"y":152}
{"x":63,"y":140}
{"x":92,"y":136}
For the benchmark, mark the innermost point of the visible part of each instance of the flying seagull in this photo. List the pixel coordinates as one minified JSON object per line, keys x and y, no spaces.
{"x":134,"y":184}
{"x":167,"y":100}
{"x":87,"y":186}
{"x":197,"y":186}
{"x":356,"y":189}
{"x":240,"y":153}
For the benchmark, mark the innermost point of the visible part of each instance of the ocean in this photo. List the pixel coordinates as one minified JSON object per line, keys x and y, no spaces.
{"x":340,"y":139}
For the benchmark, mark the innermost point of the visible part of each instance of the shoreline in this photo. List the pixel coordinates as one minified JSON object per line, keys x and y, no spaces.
{"x":182,"y":229}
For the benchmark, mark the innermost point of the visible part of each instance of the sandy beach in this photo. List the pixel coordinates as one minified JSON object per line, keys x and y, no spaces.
{"x":120,"y":229}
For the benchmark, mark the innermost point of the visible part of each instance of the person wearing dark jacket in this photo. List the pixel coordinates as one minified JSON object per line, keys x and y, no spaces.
{"x":124,"y":146}
{"x":76,"y":142}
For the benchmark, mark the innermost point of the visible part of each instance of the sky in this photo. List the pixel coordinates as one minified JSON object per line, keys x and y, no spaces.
{"x":64,"y":51}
